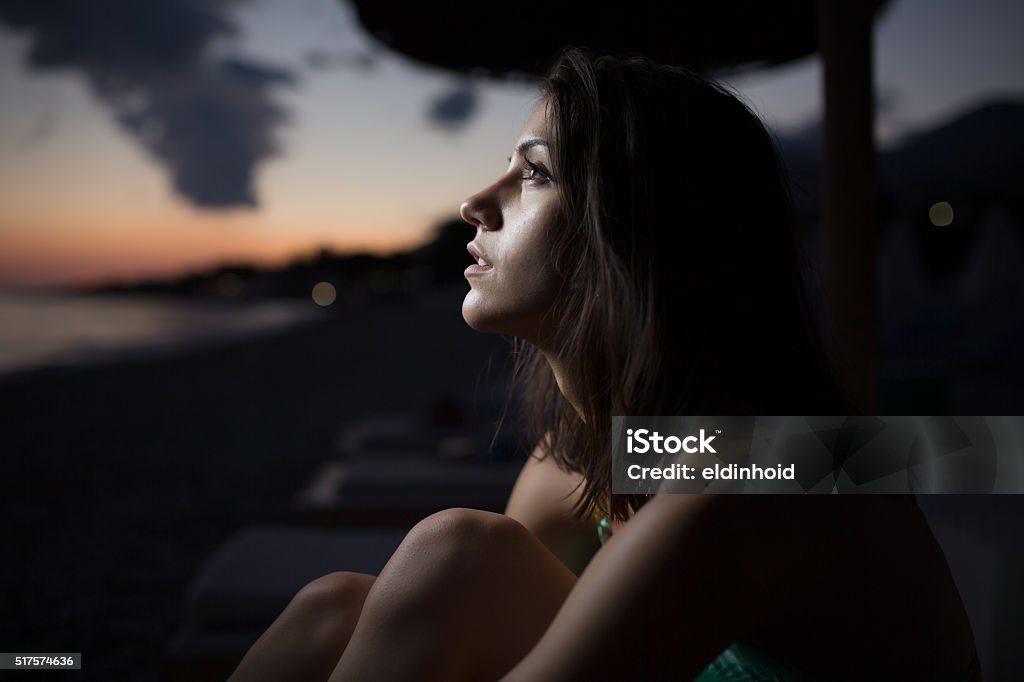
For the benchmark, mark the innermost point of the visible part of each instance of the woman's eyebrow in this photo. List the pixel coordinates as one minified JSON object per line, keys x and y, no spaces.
{"x":527,"y":144}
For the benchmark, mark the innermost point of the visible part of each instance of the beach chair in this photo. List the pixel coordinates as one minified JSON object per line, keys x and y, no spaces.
{"x":389,"y":472}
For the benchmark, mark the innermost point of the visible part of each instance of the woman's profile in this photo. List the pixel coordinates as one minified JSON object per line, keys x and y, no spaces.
{"x":640,"y":247}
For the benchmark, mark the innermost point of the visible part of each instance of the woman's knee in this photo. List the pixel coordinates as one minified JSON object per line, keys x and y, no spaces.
{"x":462,"y":541}
{"x":458,"y":526}
{"x":311,"y":633}
{"x":338,"y":595}
{"x":449,"y":556}
{"x":465,"y":575}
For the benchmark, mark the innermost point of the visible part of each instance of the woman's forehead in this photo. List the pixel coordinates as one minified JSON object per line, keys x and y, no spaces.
{"x":536,"y":126}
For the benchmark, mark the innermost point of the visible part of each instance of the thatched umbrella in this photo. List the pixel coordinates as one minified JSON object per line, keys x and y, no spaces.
{"x":712,"y":36}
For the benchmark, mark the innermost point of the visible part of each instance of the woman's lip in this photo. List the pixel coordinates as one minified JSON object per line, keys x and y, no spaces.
{"x":475,"y":251}
{"x":476,"y":269}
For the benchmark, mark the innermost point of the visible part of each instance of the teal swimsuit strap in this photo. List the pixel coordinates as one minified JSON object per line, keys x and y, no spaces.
{"x":744,"y":663}
{"x":604,"y":530}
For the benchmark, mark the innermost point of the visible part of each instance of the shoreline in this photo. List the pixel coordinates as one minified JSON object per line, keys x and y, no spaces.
{"x":45,"y":330}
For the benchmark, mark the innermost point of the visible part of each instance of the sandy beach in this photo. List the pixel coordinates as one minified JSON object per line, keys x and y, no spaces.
{"x":119,"y":480}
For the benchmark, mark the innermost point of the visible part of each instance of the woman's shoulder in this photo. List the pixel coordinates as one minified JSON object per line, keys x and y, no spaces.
{"x":772,"y":515}
{"x":544,"y":500}
{"x":753,"y":545}
{"x":789,"y":538}
{"x":741,"y":517}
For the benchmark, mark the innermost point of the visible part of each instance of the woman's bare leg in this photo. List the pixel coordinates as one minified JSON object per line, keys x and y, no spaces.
{"x":466,"y":596}
{"x":308,"y":638}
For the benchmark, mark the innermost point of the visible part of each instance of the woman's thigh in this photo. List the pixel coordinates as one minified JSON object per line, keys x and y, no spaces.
{"x":466,"y":596}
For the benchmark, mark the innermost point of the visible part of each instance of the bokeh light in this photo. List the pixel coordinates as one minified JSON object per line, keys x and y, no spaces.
{"x":941,"y":214}
{"x":324,"y":293}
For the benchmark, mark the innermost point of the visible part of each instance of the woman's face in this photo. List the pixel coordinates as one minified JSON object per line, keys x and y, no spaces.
{"x":513,"y":286}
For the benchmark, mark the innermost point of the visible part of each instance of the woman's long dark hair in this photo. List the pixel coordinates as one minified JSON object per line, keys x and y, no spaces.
{"x":683,"y":290}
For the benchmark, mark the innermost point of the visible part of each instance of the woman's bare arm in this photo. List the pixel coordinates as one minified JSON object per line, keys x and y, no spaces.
{"x":542,"y":500}
{"x":686,"y":577}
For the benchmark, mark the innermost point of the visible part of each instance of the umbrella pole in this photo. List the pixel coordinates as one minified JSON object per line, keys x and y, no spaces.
{"x":849,"y":214}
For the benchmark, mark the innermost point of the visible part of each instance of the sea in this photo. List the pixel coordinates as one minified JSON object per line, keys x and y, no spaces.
{"x":39,"y":329}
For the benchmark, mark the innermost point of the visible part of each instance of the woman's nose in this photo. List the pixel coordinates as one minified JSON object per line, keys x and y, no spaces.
{"x":482,"y":210}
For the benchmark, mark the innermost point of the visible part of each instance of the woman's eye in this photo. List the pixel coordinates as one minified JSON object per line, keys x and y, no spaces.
{"x":533,"y":172}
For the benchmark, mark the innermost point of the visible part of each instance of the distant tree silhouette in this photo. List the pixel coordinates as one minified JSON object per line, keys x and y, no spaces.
{"x":445,"y":255}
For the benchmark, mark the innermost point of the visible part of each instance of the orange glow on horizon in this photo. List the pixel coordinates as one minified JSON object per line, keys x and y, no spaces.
{"x":34,"y":255}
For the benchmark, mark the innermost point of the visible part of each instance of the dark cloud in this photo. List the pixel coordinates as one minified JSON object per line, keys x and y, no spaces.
{"x":209,"y":127}
{"x":453,"y":108}
{"x":209,"y":120}
{"x":319,"y":59}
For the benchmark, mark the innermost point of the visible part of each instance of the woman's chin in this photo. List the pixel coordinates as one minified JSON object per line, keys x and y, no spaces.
{"x":472,"y":314}
{"x":510,"y":322}
{"x":480,"y":319}
{"x":472,"y":323}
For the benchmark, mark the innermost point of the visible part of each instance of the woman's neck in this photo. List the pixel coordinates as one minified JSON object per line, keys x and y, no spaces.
{"x":558,"y":369}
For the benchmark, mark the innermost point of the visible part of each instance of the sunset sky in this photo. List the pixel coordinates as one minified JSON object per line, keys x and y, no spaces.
{"x":361,"y":161}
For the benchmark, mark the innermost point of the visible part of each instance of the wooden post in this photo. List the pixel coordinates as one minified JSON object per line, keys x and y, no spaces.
{"x":849,"y":214}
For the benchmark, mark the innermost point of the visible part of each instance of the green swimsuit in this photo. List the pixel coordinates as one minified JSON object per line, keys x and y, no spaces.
{"x":744,"y":663}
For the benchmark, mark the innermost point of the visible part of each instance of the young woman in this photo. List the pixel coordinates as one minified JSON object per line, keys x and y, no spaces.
{"x":640,"y":245}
